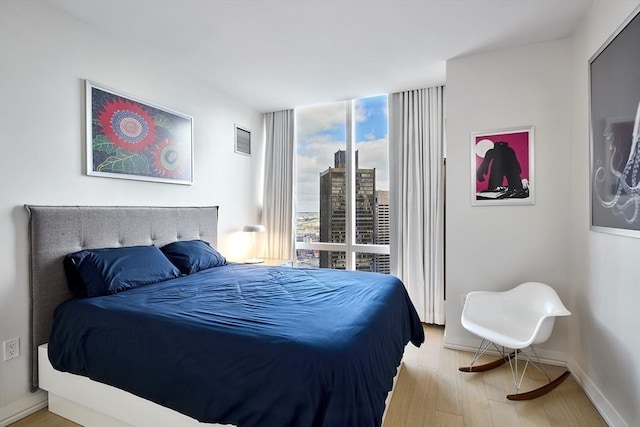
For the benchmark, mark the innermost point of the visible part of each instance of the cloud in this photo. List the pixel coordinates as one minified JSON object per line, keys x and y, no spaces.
{"x":361,"y":112}
{"x":320,"y":132}
{"x":319,"y":119}
{"x":319,"y":156}
{"x":375,"y":154}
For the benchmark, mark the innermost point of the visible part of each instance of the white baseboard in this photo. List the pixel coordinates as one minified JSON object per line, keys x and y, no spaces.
{"x":549,"y":357}
{"x":602,"y":404}
{"x":34,"y":402}
{"x":22,"y":408}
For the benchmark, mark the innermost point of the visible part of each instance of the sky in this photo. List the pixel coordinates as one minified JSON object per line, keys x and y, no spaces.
{"x":320,"y":132}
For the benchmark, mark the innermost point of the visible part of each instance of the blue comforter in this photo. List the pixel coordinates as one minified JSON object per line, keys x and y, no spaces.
{"x":247,"y":345}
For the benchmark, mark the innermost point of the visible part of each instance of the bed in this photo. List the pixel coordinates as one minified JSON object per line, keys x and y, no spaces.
{"x":256,"y":346}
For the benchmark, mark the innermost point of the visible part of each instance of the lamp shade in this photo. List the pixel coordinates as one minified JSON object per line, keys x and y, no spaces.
{"x":253,"y":229}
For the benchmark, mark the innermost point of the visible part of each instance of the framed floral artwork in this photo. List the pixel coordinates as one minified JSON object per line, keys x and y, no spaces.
{"x":502,"y":170}
{"x":133,"y":139}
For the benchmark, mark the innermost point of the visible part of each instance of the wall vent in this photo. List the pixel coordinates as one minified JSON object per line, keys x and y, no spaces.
{"x":243,"y":140}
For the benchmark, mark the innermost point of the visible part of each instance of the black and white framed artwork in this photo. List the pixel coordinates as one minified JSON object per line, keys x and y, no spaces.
{"x":614,"y":73}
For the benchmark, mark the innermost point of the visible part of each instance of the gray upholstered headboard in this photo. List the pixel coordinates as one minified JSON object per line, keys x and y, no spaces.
{"x":55,"y":231}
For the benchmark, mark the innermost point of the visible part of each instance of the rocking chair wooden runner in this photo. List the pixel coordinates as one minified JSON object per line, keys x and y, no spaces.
{"x":515,"y":319}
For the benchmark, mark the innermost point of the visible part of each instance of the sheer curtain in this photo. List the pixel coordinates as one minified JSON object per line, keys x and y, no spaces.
{"x":416,"y":127}
{"x":277,"y":208}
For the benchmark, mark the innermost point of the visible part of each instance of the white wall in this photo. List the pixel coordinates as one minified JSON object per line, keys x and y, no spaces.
{"x":45,"y":55}
{"x":604,"y":268}
{"x":498,"y":247}
{"x":597,"y":275}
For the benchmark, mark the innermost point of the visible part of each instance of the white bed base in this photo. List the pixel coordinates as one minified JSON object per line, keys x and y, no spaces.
{"x":90,"y":403}
{"x":95,"y":404}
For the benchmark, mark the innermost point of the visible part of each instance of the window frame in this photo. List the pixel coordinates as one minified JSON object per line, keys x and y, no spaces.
{"x":349,"y":247}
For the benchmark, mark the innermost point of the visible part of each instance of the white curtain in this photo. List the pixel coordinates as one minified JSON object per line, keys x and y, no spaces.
{"x":277,"y":209}
{"x":416,"y":140}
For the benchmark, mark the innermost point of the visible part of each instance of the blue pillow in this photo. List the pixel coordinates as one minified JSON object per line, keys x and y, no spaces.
{"x":97,"y":272}
{"x":191,"y":256}
{"x":71,"y":261}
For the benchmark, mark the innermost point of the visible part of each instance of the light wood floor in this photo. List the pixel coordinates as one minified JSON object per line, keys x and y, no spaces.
{"x":432,"y":392}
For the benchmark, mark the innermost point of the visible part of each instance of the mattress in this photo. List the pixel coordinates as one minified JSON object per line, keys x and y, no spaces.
{"x":247,"y":345}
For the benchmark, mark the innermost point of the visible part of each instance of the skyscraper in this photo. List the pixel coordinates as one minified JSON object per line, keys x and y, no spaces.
{"x":333,"y":201}
{"x":382,"y":231}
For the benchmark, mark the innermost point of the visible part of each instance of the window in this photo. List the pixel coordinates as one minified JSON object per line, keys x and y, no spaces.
{"x":342,"y":185}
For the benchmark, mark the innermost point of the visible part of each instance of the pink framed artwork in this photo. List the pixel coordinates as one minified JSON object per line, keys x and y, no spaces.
{"x":502,"y":171}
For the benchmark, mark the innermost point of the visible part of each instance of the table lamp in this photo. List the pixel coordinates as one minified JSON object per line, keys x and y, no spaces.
{"x":253,"y":229}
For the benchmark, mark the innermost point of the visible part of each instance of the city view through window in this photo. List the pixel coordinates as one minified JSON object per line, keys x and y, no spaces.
{"x":324,"y":140}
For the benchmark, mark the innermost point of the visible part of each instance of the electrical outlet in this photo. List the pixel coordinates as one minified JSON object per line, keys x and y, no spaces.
{"x":11,"y":349}
{"x":463,"y":299}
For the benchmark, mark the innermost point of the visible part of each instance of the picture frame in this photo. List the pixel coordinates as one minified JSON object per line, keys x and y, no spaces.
{"x":502,"y":167}
{"x":128,"y":138}
{"x":242,"y":137}
{"x":614,"y":108}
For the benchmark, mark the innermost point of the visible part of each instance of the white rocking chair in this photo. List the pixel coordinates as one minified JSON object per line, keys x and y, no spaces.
{"x":515,"y":319}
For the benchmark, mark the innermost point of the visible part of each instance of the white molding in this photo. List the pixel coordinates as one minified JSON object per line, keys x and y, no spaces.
{"x":597,"y":398}
{"x":26,"y":406}
{"x":602,"y":404}
{"x":22,"y":408}
{"x":549,"y":357}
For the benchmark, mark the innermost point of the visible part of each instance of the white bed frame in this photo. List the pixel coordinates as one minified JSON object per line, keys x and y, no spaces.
{"x":90,"y":403}
{"x":58,"y":230}
{"x":94,"y":404}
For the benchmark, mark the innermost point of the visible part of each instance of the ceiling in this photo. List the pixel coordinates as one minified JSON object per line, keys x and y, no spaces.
{"x":275,"y":55}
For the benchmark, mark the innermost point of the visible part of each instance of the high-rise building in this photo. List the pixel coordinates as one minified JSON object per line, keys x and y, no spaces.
{"x":381,"y":262}
{"x":333,"y":204}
